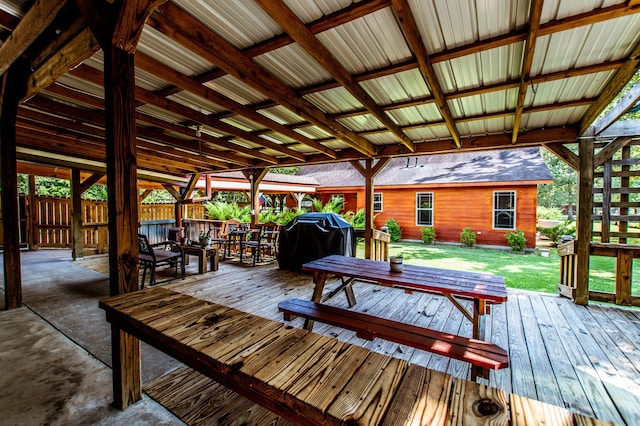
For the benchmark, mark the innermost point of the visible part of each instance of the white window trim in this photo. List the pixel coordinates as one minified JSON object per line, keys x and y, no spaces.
{"x":514,"y":209}
{"x":381,"y":202}
{"x":433,"y":202}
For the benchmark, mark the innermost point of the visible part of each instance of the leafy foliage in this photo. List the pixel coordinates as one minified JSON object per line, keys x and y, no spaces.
{"x":555,"y":233}
{"x":428,"y":234}
{"x":564,"y":189}
{"x":516,"y":240}
{"x":394,"y":229}
{"x":357,"y":219}
{"x":221,"y":210}
{"x":550,"y":213}
{"x":333,"y":206}
{"x":281,"y":218}
{"x":468,"y":237}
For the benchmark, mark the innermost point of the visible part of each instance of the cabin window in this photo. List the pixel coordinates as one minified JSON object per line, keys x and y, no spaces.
{"x":424,"y":208}
{"x":377,"y":202}
{"x":504,"y":210}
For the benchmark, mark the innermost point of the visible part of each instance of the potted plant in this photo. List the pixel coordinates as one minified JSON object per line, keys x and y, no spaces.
{"x":204,"y":239}
{"x":395,"y":263}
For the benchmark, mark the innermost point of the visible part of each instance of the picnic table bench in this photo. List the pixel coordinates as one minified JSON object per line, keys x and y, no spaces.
{"x":481,"y":288}
{"x":308,"y":378}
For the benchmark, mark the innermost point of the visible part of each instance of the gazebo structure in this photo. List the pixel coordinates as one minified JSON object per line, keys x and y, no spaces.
{"x":170,"y":90}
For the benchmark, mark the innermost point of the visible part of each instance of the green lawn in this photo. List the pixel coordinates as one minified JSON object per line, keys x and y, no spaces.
{"x":529,"y":272}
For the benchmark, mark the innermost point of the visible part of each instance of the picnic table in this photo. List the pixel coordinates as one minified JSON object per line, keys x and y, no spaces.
{"x":482,"y":289}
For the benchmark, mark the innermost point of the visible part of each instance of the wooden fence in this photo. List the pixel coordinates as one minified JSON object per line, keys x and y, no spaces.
{"x":48,"y":222}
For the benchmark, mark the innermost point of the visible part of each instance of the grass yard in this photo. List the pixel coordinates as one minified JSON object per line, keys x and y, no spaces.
{"x":529,"y":272}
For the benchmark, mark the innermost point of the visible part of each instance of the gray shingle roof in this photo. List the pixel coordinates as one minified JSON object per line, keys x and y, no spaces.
{"x":524,"y":164}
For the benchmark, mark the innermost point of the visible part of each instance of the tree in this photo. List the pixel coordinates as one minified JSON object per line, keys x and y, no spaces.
{"x":564,"y":188}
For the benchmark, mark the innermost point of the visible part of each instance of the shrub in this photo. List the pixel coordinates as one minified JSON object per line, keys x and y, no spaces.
{"x":221,"y":210}
{"x":468,"y":237}
{"x":550,"y":213}
{"x":357,"y":219}
{"x":555,"y":233}
{"x":394,"y":229}
{"x":516,"y":240}
{"x":428,"y":234}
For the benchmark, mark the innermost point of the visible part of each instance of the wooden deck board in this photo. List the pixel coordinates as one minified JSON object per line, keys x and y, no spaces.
{"x":531,"y":326}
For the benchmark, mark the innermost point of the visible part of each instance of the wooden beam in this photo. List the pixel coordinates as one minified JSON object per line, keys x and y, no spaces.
{"x":173,"y":191}
{"x":77,"y":50}
{"x":183,"y":82}
{"x":188,"y":190}
{"x":411,"y":32}
{"x":296,"y":29}
{"x":32,"y":24}
{"x":192,"y":34}
{"x":535,"y":10}
{"x":131,"y":19}
{"x":145,"y":194}
{"x":611,"y":148}
{"x":617,"y":83}
{"x":90,"y":181}
{"x":11,"y":92}
{"x":623,"y":105}
{"x":77,"y":233}
{"x":565,"y":154}
{"x":584,"y":226}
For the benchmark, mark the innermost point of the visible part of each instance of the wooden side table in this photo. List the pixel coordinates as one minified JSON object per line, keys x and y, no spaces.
{"x":203,"y":254}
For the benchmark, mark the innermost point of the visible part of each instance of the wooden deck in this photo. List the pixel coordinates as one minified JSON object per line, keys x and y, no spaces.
{"x":586,"y":359}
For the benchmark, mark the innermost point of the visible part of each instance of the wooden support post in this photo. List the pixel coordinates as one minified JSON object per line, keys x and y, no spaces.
{"x":12,"y":90}
{"x":77,"y":233}
{"x":369,"y":172}
{"x":623,"y":225}
{"x":624,"y":265}
{"x":255,"y":176}
{"x":32,"y":216}
{"x":123,"y":213}
{"x":605,"y":230}
{"x":585,"y":210}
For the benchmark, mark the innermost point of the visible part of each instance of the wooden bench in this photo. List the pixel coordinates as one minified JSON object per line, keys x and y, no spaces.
{"x":476,"y":352}
{"x":307,"y":378}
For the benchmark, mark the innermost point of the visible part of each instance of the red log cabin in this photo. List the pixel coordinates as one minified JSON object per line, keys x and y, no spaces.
{"x":493,"y":192}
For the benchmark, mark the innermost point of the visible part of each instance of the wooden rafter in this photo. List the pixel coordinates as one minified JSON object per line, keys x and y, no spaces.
{"x":565,"y":154}
{"x":187,"y":31}
{"x":305,"y":38}
{"x":535,"y":11}
{"x":36,"y":20}
{"x":412,"y":34}
{"x":152,"y":66}
{"x":619,"y":80}
{"x":626,"y":103}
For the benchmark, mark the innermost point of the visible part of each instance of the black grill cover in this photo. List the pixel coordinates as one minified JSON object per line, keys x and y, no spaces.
{"x":311,"y":236}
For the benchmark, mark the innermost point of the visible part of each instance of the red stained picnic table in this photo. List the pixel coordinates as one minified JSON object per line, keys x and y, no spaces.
{"x":482,"y":288}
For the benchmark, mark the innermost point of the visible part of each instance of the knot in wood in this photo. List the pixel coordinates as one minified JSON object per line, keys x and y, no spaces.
{"x":486,"y":408}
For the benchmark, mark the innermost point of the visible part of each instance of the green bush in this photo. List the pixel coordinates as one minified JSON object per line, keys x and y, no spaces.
{"x":357,"y":219}
{"x":555,"y":233}
{"x":428,"y":234}
{"x":222,"y":210}
{"x":550,"y":213}
{"x":281,"y":218}
{"x":468,"y":237}
{"x":516,"y":240}
{"x":394,"y":229}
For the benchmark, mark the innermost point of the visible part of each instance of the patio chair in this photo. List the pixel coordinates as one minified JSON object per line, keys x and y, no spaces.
{"x":264,"y":241}
{"x":166,"y":253}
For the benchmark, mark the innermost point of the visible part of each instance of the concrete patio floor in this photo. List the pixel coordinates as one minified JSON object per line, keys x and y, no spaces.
{"x":48,"y":378}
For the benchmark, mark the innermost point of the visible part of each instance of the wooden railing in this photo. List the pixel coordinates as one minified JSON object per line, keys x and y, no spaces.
{"x":624,"y":254}
{"x":379,"y":244}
